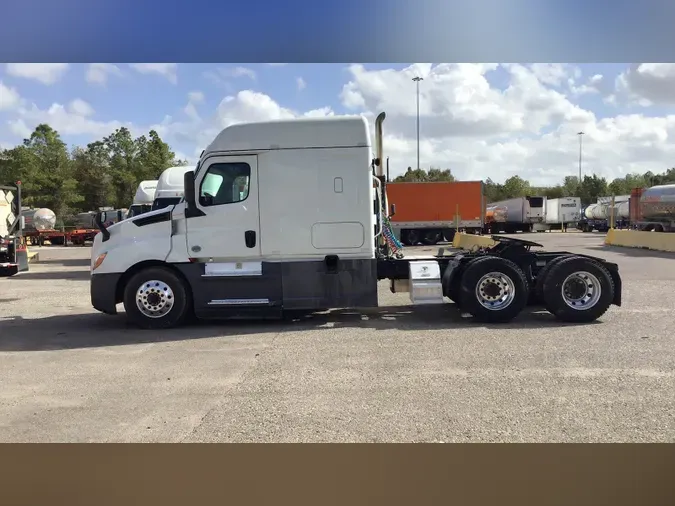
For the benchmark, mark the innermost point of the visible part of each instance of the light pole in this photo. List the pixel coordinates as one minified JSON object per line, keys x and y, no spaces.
{"x":580,"y":134}
{"x":417,"y":82}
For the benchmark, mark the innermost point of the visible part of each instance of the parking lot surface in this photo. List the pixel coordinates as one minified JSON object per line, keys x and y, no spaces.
{"x":396,"y":373}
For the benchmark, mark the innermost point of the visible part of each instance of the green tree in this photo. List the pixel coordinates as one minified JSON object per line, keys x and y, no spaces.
{"x":434,"y":174}
{"x":516,"y":186}
{"x":43,"y":164}
{"x":125,"y":170}
{"x":593,"y":187}
{"x":91,"y":167}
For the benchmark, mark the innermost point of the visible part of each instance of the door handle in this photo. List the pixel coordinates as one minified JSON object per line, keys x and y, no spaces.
{"x":249,"y":238}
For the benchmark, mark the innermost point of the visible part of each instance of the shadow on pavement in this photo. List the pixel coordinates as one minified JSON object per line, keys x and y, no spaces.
{"x":66,"y":262}
{"x":44,"y":275}
{"x":64,"y":332}
{"x":634,"y":252}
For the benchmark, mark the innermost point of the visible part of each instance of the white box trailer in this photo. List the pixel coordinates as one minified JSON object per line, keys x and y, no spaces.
{"x":564,"y":210}
{"x":292,"y":215}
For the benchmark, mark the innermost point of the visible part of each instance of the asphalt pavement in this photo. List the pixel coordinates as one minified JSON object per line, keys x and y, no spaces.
{"x":395,"y":373}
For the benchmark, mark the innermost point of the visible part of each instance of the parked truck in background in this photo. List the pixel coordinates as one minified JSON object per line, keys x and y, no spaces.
{"x":657,"y":209}
{"x":562,"y":212}
{"x":598,"y":216}
{"x":432,"y":212}
{"x":520,"y":214}
{"x":13,"y":252}
{"x":145,"y":196}
{"x":169,"y":190}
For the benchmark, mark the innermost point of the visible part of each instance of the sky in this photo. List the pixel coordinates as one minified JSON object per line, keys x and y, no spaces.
{"x":479,"y":120}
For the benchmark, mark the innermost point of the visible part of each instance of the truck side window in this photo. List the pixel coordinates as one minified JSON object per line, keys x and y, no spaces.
{"x":225,"y":183}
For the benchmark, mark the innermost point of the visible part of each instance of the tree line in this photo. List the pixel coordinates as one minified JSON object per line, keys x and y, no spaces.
{"x":105,"y":173}
{"x":589,"y":190}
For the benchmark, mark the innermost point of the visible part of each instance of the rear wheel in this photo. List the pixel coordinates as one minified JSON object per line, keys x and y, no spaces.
{"x":578,"y":290}
{"x":493,"y":290}
{"x":156,"y":298}
{"x":538,"y":293}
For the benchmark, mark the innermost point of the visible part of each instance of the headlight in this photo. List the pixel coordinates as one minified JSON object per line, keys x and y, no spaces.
{"x":99,"y":261}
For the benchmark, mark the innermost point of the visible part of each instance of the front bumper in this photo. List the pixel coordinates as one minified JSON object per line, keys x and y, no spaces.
{"x":103,"y":291}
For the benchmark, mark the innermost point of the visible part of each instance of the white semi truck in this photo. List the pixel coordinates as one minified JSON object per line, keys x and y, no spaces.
{"x":293,"y":215}
{"x":144,"y":198}
{"x":169,"y":187}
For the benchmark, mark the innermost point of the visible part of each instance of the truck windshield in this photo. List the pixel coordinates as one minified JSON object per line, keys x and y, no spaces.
{"x":163,"y":202}
{"x":138,"y":209}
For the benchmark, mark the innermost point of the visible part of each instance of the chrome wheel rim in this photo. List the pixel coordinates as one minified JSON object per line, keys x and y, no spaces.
{"x":581,"y":290}
{"x":154,"y":299}
{"x":495,"y":291}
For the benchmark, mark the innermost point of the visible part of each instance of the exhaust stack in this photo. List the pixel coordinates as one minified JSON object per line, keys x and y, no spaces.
{"x":379,"y":160}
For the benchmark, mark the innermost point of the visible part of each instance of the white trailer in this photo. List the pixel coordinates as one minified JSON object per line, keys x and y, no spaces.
{"x":563,"y":211}
{"x":170,"y":189}
{"x":292,"y":215}
{"x":145,"y":196}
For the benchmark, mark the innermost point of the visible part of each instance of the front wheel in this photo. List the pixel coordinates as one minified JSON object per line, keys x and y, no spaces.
{"x":493,"y":290}
{"x":156,"y":298}
{"x":578,"y":290}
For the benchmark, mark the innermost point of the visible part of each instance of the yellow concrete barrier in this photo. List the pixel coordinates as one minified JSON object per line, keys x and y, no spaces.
{"x":472,"y":241}
{"x":33,"y":256}
{"x":658,"y":241}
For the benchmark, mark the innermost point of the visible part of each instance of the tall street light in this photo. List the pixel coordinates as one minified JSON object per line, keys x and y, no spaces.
{"x":417,"y":82}
{"x":580,"y":134}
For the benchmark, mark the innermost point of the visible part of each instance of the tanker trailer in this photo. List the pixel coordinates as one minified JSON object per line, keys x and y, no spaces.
{"x":657,"y":209}
{"x":38,"y":219}
{"x":594,"y":217}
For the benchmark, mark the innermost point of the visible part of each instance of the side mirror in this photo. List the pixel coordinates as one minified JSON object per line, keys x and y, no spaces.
{"x":189,"y":189}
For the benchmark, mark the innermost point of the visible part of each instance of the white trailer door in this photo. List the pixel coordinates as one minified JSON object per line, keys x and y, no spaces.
{"x":227,"y":195}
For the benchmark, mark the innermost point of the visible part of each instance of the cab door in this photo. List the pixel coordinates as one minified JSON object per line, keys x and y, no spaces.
{"x":228,"y":224}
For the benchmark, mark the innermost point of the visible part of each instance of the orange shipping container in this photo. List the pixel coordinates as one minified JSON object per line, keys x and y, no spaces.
{"x":435,"y":204}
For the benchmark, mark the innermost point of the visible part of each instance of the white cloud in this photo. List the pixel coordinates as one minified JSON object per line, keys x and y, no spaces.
{"x":80,"y":108}
{"x":166,"y":70}
{"x":553,"y":74}
{"x":648,"y":83}
{"x":98,"y":73}
{"x":222,"y":76}
{"x":526,"y":128}
{"x":46,"y":73}
{"x":526,"y":125}
{"x":9,"y":97}
{"x":194,"y":98}
{"x":300,"y":82}
{"x":73,"y":119}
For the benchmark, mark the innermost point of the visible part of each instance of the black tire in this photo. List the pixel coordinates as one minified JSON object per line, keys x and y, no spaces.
{"x":432,"y":237}
{"x":553,"y":290}
{"x":181,"y":297}
{"x":473,"y":274}
{"x":538,"y":292}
